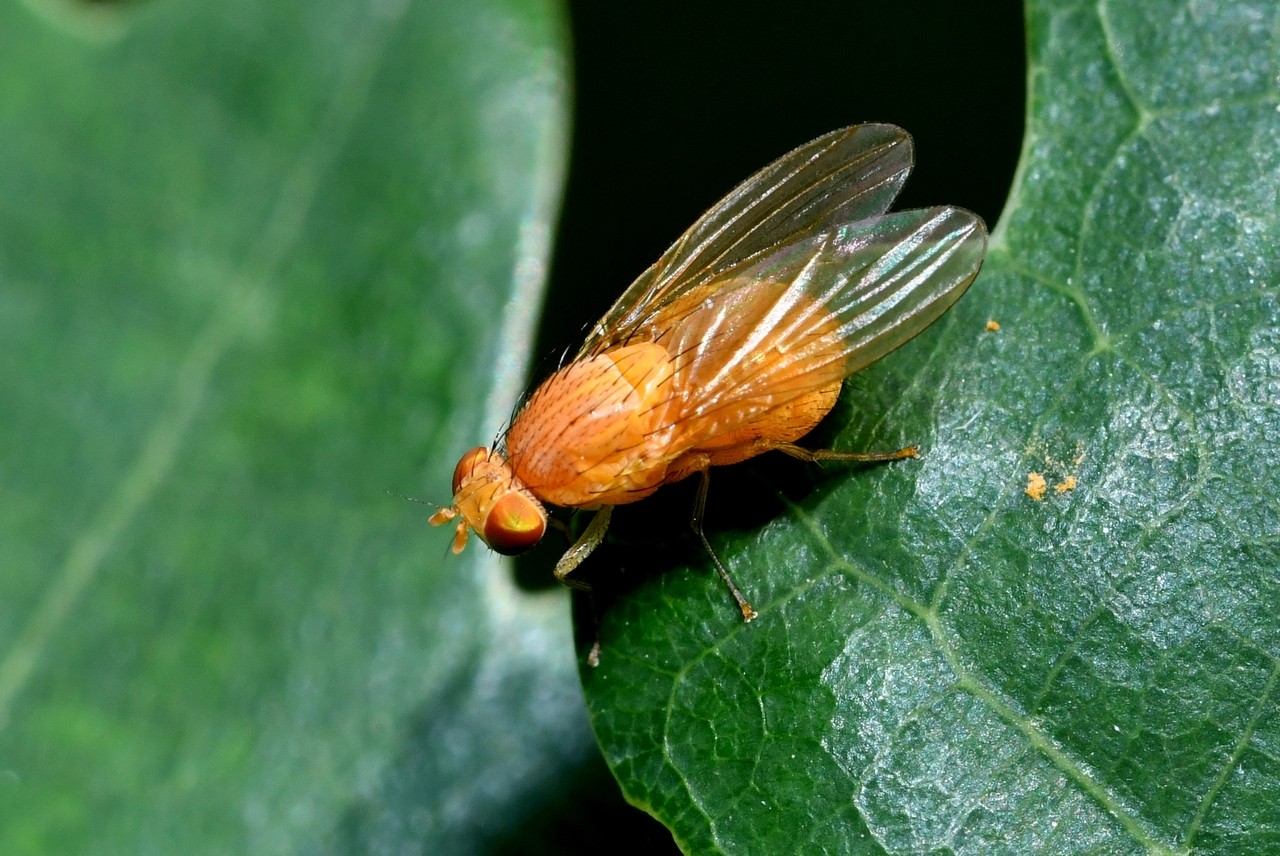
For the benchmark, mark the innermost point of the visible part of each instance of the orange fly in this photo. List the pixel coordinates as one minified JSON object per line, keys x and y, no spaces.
{"x":734,"y":343}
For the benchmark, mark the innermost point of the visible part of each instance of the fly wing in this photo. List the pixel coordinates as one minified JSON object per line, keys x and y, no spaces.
{"x":818,"y":310}
{"x":841,"y":177}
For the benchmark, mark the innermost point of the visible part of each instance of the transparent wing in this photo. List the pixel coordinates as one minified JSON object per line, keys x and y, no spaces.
{"x":816,"y":311}
{"x":841,"y":177}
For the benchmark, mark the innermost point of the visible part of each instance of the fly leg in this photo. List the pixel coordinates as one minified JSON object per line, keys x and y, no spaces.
{"x":563,"y":528}
{"x":575,"y":555}
{"x":699,"y":506}
{"x":820,"y":455}
{"x":702,"y":464}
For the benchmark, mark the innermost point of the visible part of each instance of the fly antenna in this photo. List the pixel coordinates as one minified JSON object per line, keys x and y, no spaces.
{"x":415,"y":499}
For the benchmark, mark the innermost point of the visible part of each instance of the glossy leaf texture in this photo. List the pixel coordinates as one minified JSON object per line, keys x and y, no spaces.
{"x":943,"y":663}
{"x":261,"y":263}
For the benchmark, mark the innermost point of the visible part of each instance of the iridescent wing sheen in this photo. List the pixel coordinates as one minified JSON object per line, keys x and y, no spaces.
{"x":824,"y":307}
{"x":842,"y":177}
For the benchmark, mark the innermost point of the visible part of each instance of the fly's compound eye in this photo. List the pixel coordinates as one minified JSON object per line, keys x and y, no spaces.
{"x":467,"y":464}
{"x":514,"y":524}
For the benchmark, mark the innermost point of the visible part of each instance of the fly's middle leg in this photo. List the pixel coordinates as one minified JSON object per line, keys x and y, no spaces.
{"x":700,"y":505}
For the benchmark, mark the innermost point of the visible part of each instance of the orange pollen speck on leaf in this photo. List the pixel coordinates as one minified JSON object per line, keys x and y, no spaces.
{"x":1036,"y":486}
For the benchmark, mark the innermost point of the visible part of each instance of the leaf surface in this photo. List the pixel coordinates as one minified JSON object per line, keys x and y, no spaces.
{"x":260,"y":263}
{"x":943,"y":663}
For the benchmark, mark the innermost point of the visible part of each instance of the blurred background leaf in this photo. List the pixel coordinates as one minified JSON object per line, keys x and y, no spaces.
{"x":943,"y":663}
{"x":260,"y":263}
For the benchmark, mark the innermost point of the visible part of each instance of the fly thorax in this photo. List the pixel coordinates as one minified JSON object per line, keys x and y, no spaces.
{"x":593,"y":425}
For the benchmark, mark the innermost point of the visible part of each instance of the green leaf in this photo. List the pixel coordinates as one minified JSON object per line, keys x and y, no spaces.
{"x":943,"y":663}
{"x":260,"y":263}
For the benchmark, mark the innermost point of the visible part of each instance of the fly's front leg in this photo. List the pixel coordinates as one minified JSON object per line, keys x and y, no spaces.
{"x":575,"y":555}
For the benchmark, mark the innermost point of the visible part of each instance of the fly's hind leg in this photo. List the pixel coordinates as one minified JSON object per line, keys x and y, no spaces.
{"x":820,"y":455}
{"x":585,"y":545}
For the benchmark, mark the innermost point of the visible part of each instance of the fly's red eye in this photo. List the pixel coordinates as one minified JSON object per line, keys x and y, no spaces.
{"x":514,"y":524}
{"x":468,"y":462}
